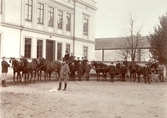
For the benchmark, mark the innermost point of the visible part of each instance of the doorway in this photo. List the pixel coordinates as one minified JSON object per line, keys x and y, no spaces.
{"x":50,"y":50}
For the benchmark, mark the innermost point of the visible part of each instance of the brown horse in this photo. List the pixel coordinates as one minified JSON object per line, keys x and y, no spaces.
{"x":48,"y":67}
{"x":29,"y":69}
{"x":17,"y":68}
{"x":100,"y":68}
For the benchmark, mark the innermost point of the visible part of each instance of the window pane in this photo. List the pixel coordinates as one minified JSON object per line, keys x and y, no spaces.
{"x":60,"y":19}
{"x":68,"y":47}
{"x":27,"y":50}
{"x":28,"y":10}
{"x":68,"y":22}
{"x":59,"y":51}
{"x":50,"y":16}
{"x":39,"y":48}
{"x":85,"y":27}
{"x":40,"y":13}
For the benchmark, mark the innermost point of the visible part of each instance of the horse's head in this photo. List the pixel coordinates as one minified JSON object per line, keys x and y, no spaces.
{"x":93,"y":63}
{"x":24,"y":62}
{"x":42,"y":61}
{"x":14,"y":62}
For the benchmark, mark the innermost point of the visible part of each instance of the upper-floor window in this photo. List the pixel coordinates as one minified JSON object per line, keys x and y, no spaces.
{"x":0,"y":6}
{"x":27,"y":48}
{"x":28,"y":10}
{"x":60,"y":19}
{"x":40,"y":13}
{"x":68,"y":22}
{"x":50,"y":16}
{"x":39,"y":48}
{"x":85,"y":26}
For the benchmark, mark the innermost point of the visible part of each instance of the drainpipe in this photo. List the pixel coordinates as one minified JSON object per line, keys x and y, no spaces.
{"x":74,"y":28}
{"x":21,"y":27}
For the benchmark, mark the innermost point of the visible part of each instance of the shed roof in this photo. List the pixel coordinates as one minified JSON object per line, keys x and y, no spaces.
{"x":113,"y":43}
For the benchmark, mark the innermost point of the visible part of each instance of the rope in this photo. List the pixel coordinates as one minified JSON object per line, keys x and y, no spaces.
{"x":81,"y":86}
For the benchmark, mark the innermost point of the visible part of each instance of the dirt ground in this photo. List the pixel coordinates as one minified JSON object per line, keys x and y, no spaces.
{"x":85,"y":99}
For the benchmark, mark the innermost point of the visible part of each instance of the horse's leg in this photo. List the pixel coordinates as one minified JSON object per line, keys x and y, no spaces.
{"x":14,"y":76}
{"x":50,"y":76}
{"x":17,"y":78}
{"x":35,"y":72}
{"x":24,"y":76}
{"x":97,"y":73}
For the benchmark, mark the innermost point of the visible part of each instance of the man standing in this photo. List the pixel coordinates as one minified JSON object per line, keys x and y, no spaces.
{"x":87,"y":69}
{"x":5,"y":66}
{"x":161,"y":73}
{"x":66,"y":56}
{"x":63,"y":75}
{"x":80,"y":70}
{"x":123,"y":72}
{"x":146,"y":74}
{"x":111,"y":72}
{"x":139,"y":72}
{"x":72,"y":71}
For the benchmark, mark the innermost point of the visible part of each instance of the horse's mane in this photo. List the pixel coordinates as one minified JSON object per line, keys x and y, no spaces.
{"x":100,"y":64}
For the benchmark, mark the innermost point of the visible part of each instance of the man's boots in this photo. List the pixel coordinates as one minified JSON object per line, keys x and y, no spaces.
{"x":59,"y":86}
{"x":65,"y":86}
{"x":3,"y":83}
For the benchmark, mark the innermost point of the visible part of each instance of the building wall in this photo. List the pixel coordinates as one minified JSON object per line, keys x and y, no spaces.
{"x":88,"y":13}
{"x":14,"y":28}
{"x":10,"y":41}
{"x":116,"y":54}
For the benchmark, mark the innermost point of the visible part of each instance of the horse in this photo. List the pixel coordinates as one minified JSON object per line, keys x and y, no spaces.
{"x":49,"y":67}
{"x":29,"y":69}
{"x":17,"y":68}
{"x":100,"y":68}
{"x":153,"y":66}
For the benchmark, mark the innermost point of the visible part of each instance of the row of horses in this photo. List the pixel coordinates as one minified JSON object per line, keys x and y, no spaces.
{"x":32,"y":71}
{"x":134,"y":71}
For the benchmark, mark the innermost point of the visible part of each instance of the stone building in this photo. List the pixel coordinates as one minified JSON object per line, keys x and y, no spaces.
{"x":47,"y":28}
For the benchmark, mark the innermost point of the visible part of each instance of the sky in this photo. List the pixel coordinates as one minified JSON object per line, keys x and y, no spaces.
{"x":112,"y":16}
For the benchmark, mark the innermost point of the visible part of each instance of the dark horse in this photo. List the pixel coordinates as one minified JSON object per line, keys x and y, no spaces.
{"x":48,"y":67}
{"x":100,"y":68}
{"x":29,"y":69}
{"x":17,"y":68}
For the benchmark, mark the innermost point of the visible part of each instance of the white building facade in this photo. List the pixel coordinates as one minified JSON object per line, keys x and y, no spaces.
{"x":47,"y":28}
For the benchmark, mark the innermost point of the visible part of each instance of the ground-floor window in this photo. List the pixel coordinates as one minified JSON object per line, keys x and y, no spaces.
{"x":39,"y":48}
{"x":27,"y":49}
{"x":85,"y":51}
{"x":59,"y":51}
{"x":68,"y":47}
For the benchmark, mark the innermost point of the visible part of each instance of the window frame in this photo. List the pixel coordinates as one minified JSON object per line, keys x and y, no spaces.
{"x":85,"y":51}
{"x":68,"y":22}
{"x":39,"y":48}
{"x":50,"y":16}
{"x":68,"y":47}
{"x":60,"y":19}
{"x":85,"y":20}
{"x":29,"y":10}
{"x":27,"y":47}
{"x":1,"y":1}
{"x":59,"y":51}
{"x":40,"y":9}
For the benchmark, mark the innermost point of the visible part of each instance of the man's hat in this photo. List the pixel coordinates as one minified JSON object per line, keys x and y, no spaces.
{"x":3,"y":57}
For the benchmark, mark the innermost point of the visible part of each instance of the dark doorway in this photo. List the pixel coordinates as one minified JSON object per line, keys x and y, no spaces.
{"x":50,"y":50}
